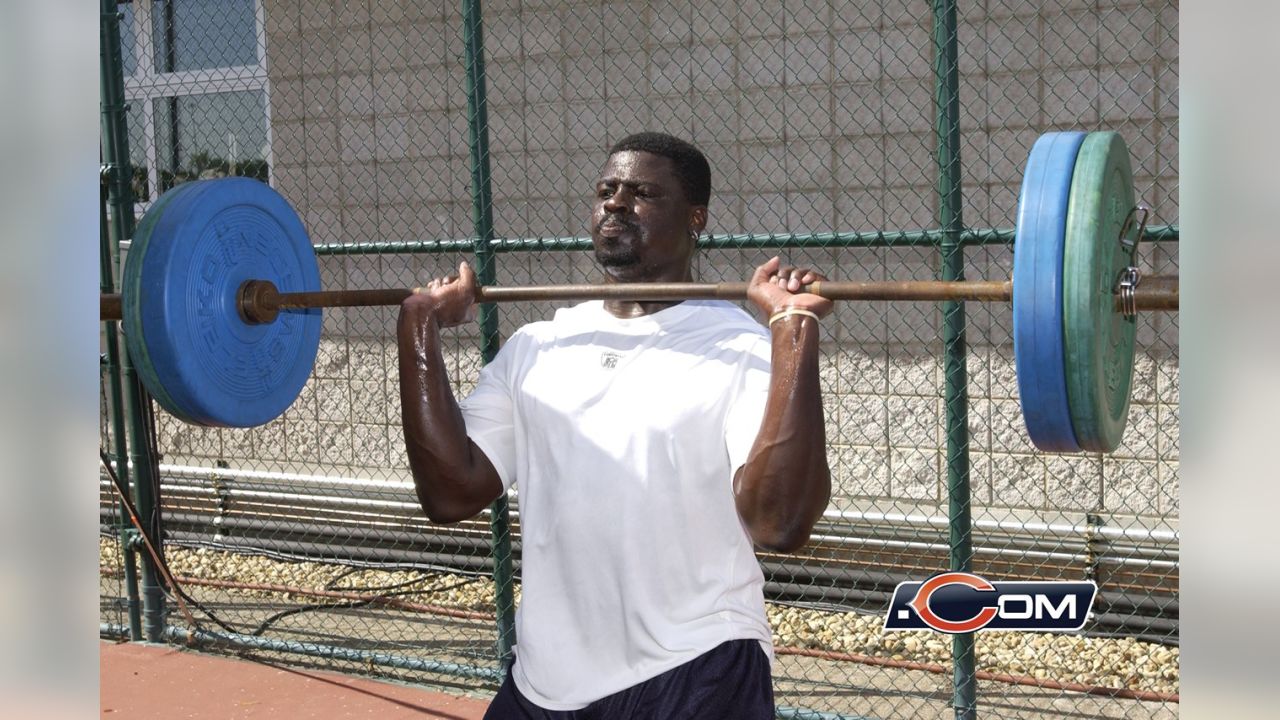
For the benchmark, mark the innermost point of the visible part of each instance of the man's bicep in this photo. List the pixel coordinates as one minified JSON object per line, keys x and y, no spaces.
{"x":490,"y":482}
{"x":496,"y":450}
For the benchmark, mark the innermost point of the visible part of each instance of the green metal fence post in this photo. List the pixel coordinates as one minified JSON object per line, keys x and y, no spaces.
{"x":115,"y":156}
{"x":482,"y":218}
{"x":119,"y":453}
{"x":950,"y":218}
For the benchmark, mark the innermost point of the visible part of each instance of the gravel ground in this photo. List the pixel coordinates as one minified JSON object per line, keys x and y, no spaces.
{"x":1106,"y":662}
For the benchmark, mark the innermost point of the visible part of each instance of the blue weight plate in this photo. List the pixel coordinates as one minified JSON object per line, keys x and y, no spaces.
{"x":131,"y":317}
{"x":205,"y":365}
{"x":1037,"y":291}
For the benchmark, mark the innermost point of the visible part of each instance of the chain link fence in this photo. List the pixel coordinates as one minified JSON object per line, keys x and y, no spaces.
{"x":302,"y":539}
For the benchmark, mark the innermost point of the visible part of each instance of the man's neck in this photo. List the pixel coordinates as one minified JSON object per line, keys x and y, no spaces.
{"x":634,"y":309}
{"x":639,"y":308}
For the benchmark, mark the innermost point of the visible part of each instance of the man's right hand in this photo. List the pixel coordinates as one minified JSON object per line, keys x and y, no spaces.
{"x":451,"y":299}
{"x":453,"y":478}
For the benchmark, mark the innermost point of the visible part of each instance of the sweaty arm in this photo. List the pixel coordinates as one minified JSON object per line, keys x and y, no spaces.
{"x":453,"y":478}
{"x":784,"y":486}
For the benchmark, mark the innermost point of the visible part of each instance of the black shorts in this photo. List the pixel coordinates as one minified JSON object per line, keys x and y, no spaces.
{"x":730,"y":682}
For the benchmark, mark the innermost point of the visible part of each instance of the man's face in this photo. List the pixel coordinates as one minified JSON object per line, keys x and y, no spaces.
{"x":641,"y":221}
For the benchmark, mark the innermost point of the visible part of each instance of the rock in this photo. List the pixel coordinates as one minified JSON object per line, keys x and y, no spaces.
{"x":1110,"y":662}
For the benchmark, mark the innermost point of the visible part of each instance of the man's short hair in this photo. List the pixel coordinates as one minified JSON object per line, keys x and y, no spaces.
{"x":691,"y":165}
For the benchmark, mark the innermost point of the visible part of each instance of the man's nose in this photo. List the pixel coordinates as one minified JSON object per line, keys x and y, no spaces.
{"x":618,"y":202}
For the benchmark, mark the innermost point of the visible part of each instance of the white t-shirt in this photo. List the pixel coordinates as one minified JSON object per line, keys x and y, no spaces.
{"x":622,"y":437}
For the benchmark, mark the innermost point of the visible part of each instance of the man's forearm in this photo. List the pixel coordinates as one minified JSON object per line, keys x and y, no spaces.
{"x":452,"y":478}
{"x":785,"y":484}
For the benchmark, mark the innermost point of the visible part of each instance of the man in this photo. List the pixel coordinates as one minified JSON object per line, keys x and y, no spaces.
{"x":651,"y":446}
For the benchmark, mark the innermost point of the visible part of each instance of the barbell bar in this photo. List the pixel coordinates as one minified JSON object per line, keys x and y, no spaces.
{"x":259,"y":301}
{"x":221,"y":296}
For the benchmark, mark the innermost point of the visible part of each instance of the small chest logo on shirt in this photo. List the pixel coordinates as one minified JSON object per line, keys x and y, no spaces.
{"x":609,"y":360}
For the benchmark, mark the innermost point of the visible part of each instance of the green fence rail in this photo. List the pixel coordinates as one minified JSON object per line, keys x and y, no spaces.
{"x":767,"y":241}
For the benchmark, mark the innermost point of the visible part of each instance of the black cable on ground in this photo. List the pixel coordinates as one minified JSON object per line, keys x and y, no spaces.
{"x":175,"y":592}
{"x":349,"y":604}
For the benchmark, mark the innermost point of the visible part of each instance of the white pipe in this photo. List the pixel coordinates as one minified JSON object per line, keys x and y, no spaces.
{"x":202,"y":473}
{"x":986,"y":550}
{"x":936,"y":521}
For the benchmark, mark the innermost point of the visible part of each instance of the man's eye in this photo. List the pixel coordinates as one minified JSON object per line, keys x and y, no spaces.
{"x":604,"y":193}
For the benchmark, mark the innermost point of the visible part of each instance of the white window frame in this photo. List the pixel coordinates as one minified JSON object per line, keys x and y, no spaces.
{"x":146,"y":85}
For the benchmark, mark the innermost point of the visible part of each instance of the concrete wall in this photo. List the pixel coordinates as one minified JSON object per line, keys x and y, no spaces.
{"x":815,"y":116}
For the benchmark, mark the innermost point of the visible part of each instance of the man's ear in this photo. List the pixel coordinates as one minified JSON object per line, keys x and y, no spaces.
{"x":698,"y":218}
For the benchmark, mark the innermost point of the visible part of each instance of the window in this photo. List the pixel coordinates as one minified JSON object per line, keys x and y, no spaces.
{"x":196,"y":82}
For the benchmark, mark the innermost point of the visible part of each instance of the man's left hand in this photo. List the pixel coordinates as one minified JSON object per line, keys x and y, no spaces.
{"x":775,"y":287}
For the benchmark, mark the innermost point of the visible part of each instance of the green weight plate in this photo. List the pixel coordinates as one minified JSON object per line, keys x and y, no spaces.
{"x":1099,"y":342}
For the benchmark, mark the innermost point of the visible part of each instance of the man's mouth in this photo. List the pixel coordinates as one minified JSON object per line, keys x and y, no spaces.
{"x":613,"y":227}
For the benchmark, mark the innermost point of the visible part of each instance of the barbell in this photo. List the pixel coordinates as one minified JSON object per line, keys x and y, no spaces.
{"x":220,"y":297}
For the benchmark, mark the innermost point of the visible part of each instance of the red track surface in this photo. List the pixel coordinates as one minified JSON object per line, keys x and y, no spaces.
{"x":142,"y":682}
